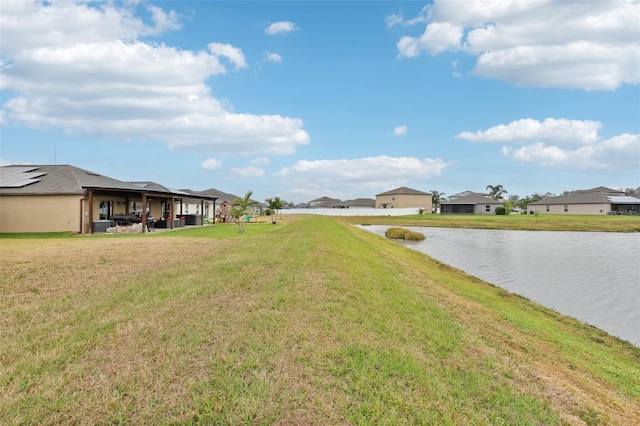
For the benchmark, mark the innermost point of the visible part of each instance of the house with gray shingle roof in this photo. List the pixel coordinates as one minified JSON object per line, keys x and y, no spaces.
{"x":360,"y":203}
{"x":599,"y":201}
{"x":404,"y":197}
{"x":64,"y":198}
{"x":470,"y":203}
{"x":326,"y":203}
{"x":222,"y":206}
{"x":224,"y":203}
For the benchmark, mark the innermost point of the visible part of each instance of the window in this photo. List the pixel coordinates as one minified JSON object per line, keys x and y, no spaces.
{"x":547,"y":209}
{"x":106,"y":209}
{"x":566,"y":208}
{"x":487,"y":208}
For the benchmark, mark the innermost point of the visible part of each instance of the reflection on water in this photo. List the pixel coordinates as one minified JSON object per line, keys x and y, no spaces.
{"x":591,"y":276}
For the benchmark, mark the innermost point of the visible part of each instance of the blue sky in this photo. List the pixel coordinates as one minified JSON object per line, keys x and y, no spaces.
{"x":326,"y":98}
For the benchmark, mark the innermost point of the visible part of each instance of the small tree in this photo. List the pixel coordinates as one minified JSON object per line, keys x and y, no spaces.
{"x":279,"y":204}
{"x":238,"y":215}
{"x":240,"y":207}
{"x":274,"y":204}
{"x":272,"y":208}
{"x":508,"y":205}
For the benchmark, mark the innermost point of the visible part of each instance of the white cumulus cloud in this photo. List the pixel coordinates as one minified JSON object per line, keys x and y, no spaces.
{"x":164,"y":21}
{"x":248,"y":171}
{"x":561,"y":131}
{"x":234,"y":54}
{"x":353,"y":174}
{"x":259,"y":161}
{"x":571,"y":144}
{"x":83,"y":68}
{"x":211,"y":164}
{"x":398,"y":19}
{"x":400,"y":130}
{"x":621,"y":151}
{"x":438,"y":37}
{"x":587,"y":45}
{"x":271,"y":57}
{"x":282,"y":27}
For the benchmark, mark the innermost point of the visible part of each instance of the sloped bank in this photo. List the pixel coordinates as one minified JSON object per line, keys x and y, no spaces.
{"x":312,"y":321}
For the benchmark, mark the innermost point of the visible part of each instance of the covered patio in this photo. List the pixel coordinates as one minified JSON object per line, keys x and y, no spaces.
{"x":624,"y":205}
{"x":153,"y":205}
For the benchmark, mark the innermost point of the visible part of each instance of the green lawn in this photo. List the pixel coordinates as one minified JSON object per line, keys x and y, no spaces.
{"x":541,"y":222}
{"x":309,"y":321}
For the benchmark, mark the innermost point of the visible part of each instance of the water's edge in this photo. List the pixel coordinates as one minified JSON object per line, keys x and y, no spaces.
{"x":591,"y":276}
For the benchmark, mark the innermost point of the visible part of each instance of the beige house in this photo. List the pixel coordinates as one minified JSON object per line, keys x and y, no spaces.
{"x":595,"y":201}
{"x":404,"y":198}
{"x":470,"y":203}
{"x":63,"y":198}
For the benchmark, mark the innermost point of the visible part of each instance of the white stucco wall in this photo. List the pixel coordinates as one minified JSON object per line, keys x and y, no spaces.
{"x":482,"y":208}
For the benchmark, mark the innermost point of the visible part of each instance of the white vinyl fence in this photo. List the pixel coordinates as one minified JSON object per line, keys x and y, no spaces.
{"x":354,"y":211}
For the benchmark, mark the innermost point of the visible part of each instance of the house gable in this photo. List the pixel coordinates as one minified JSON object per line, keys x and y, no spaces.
{"x":404,"y":197}
{"x":403,"y":190}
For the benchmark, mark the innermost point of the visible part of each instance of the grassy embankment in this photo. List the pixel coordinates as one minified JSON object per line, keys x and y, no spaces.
{"x":513,"y":221}
{"x":310,"y":321}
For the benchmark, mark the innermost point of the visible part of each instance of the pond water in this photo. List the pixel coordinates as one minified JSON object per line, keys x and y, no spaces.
{"x":591,"y":276}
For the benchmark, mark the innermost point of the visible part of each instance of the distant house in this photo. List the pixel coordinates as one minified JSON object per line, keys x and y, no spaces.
{"x":404,"y":197}
{"x":470,"y":203}
{"x":225,"y":201}
{"x":64,"y":198}
{"x":298,"y":206}
{"x":325,"y":203}
{"x":359,"y":203}
{"x":595,"y":201}
{"x":223,"y":205}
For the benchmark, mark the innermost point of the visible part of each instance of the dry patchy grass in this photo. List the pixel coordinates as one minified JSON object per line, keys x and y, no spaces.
{"x":314,"y":322}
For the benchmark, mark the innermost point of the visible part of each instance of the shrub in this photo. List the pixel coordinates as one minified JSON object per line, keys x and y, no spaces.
{"x":414,"y":236}
{"x":501,"y":211}
{"x":403,"y":234}
{"x":396,"y":233}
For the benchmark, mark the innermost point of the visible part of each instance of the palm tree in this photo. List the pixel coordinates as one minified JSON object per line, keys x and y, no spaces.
{"x":271,"y":203}
{"x":240,"y":207}
{"x":496,"y":192}
{"x":274,"y":204}
{"x":279,"y":204}
{"x":438,"y":198}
